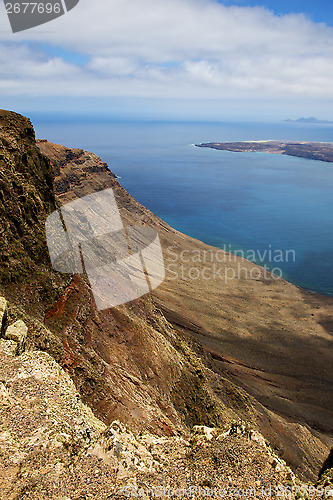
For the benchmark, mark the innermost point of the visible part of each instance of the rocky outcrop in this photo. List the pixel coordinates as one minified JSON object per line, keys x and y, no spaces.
{"x":14,"y":336}
{"x":26,"y":197}
{"x":17,"y":333}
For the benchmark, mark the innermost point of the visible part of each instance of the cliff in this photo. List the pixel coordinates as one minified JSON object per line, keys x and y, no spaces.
{"x":191,"y":353}
{"x":26,"y":197}
{"x":52,"y":444}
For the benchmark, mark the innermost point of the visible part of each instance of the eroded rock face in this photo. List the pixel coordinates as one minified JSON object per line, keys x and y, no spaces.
{"x":26,"y":197}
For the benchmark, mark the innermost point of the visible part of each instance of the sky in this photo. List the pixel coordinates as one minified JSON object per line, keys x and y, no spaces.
{"x":175,"y":59}
{"x":320,"y":11}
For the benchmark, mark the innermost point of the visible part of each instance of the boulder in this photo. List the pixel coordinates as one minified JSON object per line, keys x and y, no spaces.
{"x":258,"y":438}
{"x":18,"y":333}
{"x":204,"y":432}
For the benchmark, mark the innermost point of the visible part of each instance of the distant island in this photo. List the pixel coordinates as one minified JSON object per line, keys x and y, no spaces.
{"x":311,"y":119}
{"x":322,"y":151}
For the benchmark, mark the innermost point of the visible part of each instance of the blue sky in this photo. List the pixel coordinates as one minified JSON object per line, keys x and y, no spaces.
{"x":191,"y":59}
{"x":320,"y":11}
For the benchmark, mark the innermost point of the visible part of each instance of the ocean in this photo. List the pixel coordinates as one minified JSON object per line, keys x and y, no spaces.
{"x":272,"y":208}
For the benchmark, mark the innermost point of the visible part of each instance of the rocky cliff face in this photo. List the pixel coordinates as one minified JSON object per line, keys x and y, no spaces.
{"x":186,"y":355}
{"x":127,"y":362}
{"x":26,"y":197}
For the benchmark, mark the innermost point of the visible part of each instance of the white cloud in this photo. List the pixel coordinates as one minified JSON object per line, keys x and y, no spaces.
{"x":175,"y":48}
{"x":113,"y":66}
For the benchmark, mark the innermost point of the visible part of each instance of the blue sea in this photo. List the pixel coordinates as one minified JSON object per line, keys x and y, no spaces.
{"x":254,"y":202}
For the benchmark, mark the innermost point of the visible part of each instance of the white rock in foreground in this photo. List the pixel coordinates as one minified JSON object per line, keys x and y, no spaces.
{"x":18,"y":333}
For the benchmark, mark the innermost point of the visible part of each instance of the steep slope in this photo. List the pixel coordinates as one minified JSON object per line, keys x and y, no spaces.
{"x":262,"y":334}
{"x":178,"y":357}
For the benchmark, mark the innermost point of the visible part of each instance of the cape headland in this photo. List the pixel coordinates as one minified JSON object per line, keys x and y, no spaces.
{"x":322,"y":151}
